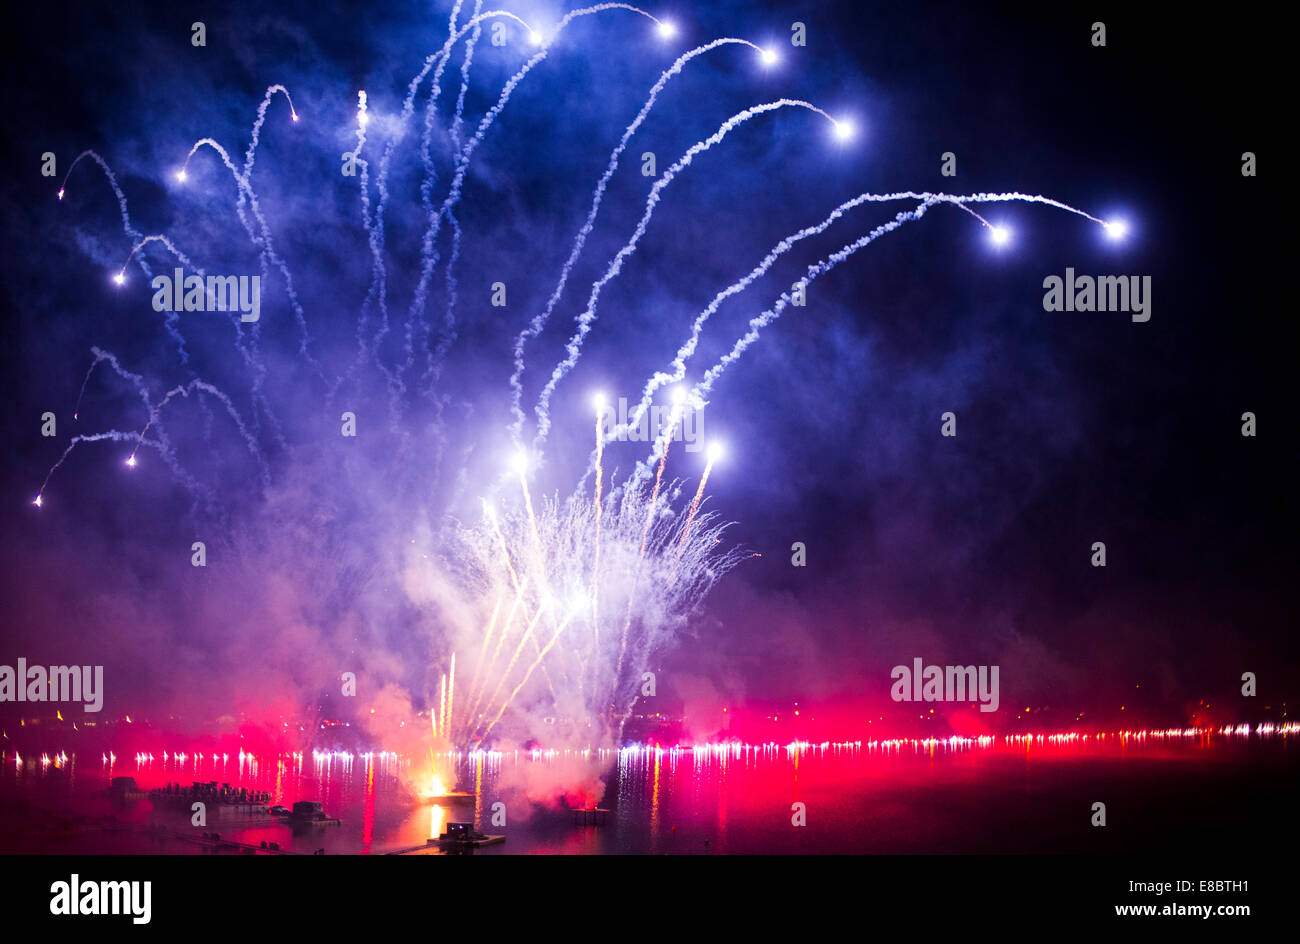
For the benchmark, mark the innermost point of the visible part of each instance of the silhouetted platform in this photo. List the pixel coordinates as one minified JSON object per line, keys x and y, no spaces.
{"x":219,"y":801}
{"x":308,"y":813}
{"x":124,"y":791}
{"x":592,"y":817}
{"x":463,"y":836}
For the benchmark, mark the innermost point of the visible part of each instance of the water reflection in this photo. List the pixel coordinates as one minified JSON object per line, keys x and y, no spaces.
{"x":918,"y":795}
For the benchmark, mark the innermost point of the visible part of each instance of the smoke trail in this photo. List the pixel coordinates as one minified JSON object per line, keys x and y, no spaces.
{"x":408,"y":105}
{"x":374,"y":235}
{"x":169,"y":323}
{"x":537,"y":324}
{"x":173,"y":316}
{"x":759,"y":322}
{"x":375,"y":228}
{"x":449,"y":321}
{"x":249,"y":354}
{"x":127,"y":227}
{"x":377,"y":293}
{"x":197,"y":492}
{"x":136,"y":380}
{"x":429,"y":259}
{"x":432,"y":359}
{"x":588,"y":315}
{"x":112,"y":435}
{"x":184,"y":390}
{"x":396,"y":385}
{"x":417,"y":329}
{"x":171,"y":319}
{"x":255,"y":137}
{"x":267,"y":245}
{"x":267,"y":256}
{"x":162,"y":442}
{"x":677,"y":369}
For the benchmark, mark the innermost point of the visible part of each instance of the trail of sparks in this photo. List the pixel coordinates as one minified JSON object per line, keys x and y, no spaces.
{"x":132,"y":233}
{"x":487,"y":638}
{"x":538,"y":323}
{"x":576,"y":555}
{"x":645,"y":533}
{"x":694,"y":508}
{"x":378,"y":292}
{"x":449,"y":322}
{"x":501,"y":638}
{"x":677,"y":368}
{"x":588,"y":315}
{"x":429,"y":259}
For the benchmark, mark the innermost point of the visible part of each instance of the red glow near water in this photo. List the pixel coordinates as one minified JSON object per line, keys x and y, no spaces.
{"x":1012,"y":792}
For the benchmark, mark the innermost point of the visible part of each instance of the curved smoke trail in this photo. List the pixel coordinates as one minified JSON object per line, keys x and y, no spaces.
{"x":247,"y":351}
{"x":574,"y":347}
{"x":677,"y":368}
{"x":266,"y":257}
{"x":759,"y":322}
{"x":169,"y":323}
{"x":449,"y":321}
{"x":127,"y":227}
{"x":245,"y":182}
{"x":429,"y":251}
{"x":537,"y":324}
{"x":375,"y":228}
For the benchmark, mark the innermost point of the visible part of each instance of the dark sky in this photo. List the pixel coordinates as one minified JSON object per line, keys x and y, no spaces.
{"x":1072,"y":427}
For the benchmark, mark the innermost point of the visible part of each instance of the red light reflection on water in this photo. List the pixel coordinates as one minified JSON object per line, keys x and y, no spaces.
{"x":910,"y":794}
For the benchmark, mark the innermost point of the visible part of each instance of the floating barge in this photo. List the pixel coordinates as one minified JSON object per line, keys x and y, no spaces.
{"x":223,"y":800}
{"x":463,"y":836}
{"x":123,"y":791}
{"x":592,"y":817}
{"x":308,"y":813}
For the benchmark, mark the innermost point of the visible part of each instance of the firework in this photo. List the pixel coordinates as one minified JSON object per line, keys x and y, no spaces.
{"x":649,"y":569}
{"x":549,"y":605}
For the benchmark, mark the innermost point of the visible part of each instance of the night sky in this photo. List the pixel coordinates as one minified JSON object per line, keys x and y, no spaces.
{"x":1073,"y":427}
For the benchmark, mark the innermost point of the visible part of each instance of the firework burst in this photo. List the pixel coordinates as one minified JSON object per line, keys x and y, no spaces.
{"x":542,"y":614}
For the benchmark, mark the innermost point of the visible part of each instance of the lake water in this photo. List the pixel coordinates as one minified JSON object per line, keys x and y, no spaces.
{"x":1184,"y":794}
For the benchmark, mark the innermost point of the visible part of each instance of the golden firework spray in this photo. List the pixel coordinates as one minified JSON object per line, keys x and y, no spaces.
{"x":478,"y":666}
{"x":528,"y":674}
{"x":501,"y":638}
{"x":451,"y":694}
